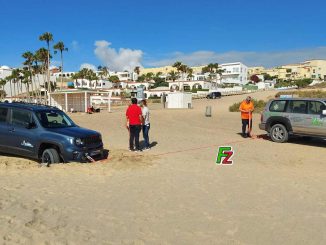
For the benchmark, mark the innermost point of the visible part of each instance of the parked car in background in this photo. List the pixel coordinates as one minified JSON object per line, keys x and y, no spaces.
{"x":45,"y":133}
{"x":214,"y":95}
{"x":294,"y":116}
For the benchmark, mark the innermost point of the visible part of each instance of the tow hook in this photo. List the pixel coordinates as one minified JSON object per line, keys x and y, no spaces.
{"x":89,"y":158}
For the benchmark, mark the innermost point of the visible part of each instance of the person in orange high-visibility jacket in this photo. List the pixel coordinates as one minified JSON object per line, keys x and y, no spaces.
{"x":246,"y":108}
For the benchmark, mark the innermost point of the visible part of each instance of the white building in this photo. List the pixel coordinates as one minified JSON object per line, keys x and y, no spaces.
{"x":64,"y":74}
{"x":192,"y":84}
{"x":125,"y":75}
{"x":99,"y":84}
{"x":156,"y":92}
{"x":234,"y":73}
{"x":5,"y":71}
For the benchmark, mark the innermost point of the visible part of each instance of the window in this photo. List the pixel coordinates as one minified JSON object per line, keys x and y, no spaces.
{"x":315,"y":107}
{"x":297,"y":106}
{"x":277,"y":106}
{"x":54,"y":119}
{"x":21,"y":118}
{"x":3,"y":114}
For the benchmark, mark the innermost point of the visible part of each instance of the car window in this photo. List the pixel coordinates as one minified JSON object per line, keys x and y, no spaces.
{"x":297,"y":106}
{"x":20,"y":118}
{"x":54,"y":119}
{"x":277,"y":106}
{"x":315,"y":107}
{"x":3,"y":114}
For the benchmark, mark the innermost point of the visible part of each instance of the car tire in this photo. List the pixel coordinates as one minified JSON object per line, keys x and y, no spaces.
{"x":50,"y":156}
{"x":279,"y":133}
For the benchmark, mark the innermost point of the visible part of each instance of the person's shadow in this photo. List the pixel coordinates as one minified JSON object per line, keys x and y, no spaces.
{"x":151,"y":145}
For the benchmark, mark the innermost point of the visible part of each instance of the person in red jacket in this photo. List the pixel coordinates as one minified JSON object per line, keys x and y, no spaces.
{"x":133,"y":124}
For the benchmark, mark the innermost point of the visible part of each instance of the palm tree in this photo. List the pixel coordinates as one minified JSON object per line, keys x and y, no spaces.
{"x":8,"y":79}
{"x":29,"y":59}
{"x":15,"y":74}
{"x":173,"y":75}
{"x":104,"y":71}
{"x":41,"y":55}
{"x":47,"y":37}
{"x":149,"y":76}
{"x":60,"y":46}
{"x":25,"y":79}
{"x":2,"y":85}
{"x":190,"y":73}
{"x":181,"y":68}
{"x":137,"y":70}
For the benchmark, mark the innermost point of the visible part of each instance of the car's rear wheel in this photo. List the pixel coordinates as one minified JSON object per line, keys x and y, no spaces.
{"x":279,"y":133}
{"x":50,"y":156}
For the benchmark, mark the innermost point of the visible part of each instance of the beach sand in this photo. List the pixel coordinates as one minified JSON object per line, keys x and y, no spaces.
{"x":175,"y":193}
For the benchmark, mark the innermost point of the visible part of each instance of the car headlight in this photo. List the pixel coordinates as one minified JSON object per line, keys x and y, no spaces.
{"x":78,"y":141}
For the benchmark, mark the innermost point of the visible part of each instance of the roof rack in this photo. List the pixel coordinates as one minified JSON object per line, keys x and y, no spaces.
{"x":31,"y":104}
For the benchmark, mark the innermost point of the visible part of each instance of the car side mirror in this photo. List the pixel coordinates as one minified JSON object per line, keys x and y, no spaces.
{"x":324,"y":113}
{"x":31,"y":125}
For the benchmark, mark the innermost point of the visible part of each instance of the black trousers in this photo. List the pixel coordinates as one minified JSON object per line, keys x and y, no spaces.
{"x":245,"y":124}
{"x":134,"y":136}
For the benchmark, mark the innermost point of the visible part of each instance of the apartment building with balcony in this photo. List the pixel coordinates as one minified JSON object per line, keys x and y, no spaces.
{"x":234,"y":73}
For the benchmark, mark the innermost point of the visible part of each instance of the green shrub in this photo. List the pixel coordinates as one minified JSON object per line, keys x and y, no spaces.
{"x":258,"y":104}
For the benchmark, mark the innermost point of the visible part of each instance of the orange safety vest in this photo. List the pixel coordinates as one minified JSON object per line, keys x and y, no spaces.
{"x":246,"y":106}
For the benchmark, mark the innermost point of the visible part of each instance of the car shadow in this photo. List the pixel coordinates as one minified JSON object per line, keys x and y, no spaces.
{"x":299,"y":140}
{"x":309,"y":141}
{"x":16,"y":156}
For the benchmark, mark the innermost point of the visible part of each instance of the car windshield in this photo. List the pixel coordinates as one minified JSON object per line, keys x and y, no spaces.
{"x":54,"y":119}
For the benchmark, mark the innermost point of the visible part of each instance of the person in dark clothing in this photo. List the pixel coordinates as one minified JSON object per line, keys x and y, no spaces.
{"x":134,"y":122}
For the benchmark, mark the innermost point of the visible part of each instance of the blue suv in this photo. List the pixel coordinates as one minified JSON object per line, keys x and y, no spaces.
{"x":46,"y":133}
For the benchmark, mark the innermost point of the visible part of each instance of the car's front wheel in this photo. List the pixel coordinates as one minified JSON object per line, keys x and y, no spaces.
{"x":50,"y":156}
{"x":279,"y":133}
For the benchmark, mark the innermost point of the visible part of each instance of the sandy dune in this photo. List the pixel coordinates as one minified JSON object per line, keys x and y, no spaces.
{"x":175,"y":193}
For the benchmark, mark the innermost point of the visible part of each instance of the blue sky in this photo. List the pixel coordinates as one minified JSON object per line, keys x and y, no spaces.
{"x":155,"y":33}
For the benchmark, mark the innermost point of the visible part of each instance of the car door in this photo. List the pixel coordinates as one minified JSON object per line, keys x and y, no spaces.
{"x":297,"y":110}
{"x":4,"y":133}
{"x":316,"y":121}
{"x":23,"y":137}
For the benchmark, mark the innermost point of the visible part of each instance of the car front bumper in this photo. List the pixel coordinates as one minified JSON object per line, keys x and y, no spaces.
{"x":79,"y":154}
{"x":262,"y":126}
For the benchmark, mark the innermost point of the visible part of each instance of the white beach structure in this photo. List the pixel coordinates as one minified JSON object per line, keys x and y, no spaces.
{"x":77,"y":100}
{"x":179,"y":100}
